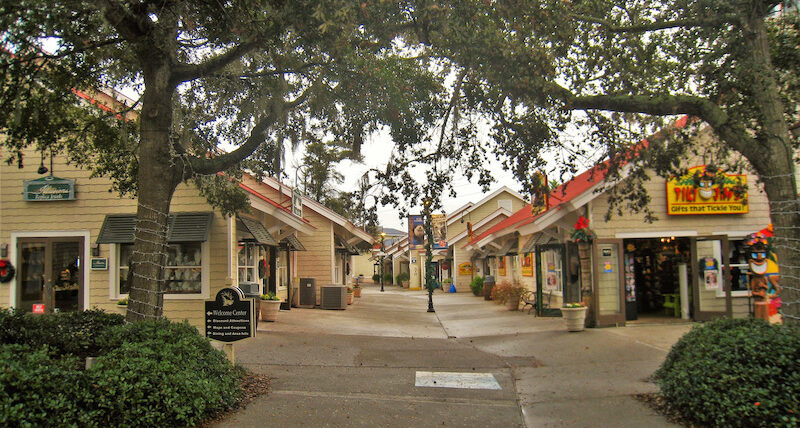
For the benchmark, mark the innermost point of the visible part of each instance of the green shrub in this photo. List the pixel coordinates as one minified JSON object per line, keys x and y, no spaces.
{"x":162,"y":374}
{"x":75,"y":333}
{"x":39,"y":387}
{"x":476,"y":285}
{"x":735,"y":372}
{"x":376,"y":278}
{"x":387,"y":278}
{"x":153,"y":373}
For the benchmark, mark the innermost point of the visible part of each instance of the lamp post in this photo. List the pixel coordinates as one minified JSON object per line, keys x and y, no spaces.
{"x":429,"y":281}
{"x":383,"y":254}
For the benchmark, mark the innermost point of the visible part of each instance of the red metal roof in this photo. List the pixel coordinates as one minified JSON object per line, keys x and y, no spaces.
{"x":564,"y":192}
{"x":271,"y":202}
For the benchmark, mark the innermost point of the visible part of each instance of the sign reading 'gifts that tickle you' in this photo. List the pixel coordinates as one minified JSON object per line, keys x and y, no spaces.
{"x":706,"y":190}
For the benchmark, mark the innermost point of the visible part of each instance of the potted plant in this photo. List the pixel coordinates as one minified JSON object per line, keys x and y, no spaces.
{"x":477,"y":286}
{"x":349,"y":295}
{"x":376,"y":278}
{"x":270,"y":305}
{"x":122,"y":306}
{"x":402,"y":279}
{"x":357,"y":290}
{"x":447,"y":285}
{"x":508,"y":293}
{"x":574,"y":315}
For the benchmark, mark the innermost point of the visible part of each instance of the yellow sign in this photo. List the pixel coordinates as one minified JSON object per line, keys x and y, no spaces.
{"x":501,"y":265}
{"x":465,"y":268}
{"x":704,"y":190}
{"x":527,"y":264}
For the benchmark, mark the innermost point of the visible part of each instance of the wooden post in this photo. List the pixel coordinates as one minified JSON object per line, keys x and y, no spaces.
{"x":228,"y":349}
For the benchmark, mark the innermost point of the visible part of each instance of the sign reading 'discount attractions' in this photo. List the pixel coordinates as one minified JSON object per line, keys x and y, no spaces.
{"x":230,"y":317}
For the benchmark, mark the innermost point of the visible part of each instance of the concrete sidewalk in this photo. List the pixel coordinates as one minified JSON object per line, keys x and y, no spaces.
{"x":358,"y":367}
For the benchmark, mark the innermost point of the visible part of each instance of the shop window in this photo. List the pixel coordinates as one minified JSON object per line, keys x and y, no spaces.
{"x":553,"y":270}
{"x":183,"y":270}
{"x":248,"y":263}
{"x":283,"y":269}
{"x":739,"y":267}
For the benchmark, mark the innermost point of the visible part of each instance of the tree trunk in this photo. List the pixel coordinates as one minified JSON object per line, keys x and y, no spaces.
{"x":773,"y":158}
{"x":160,"y":172}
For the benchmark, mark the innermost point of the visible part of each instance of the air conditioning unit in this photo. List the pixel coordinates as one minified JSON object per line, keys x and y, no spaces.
{"x":333,"y":297}
{"x":308,"y":293}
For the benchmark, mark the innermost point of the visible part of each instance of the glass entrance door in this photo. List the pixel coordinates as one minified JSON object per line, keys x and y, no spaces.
{"x":710,"y":272}
{"x":50,"y":264}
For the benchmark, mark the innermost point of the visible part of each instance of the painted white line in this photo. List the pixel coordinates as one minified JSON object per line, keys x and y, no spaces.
{"x":456,"y":380}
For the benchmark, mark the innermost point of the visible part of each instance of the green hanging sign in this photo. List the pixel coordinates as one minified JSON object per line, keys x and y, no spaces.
{"x":49,"y":189}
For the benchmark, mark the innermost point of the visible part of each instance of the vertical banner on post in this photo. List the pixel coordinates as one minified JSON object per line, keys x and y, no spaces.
{"x":416,"y":231}
{"x":439,"y":224}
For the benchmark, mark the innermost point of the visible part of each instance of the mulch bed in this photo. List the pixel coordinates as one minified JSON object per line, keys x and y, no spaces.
{"x":254,"y":385}
{"x":658,"y":403}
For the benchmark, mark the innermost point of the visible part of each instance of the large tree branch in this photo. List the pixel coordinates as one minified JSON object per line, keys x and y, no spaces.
{"x":186,"y":72}
{"x":222,"y":162}
{"x":129,"y":25}
{"x":657,"y":26}
{"x":734,"y":136}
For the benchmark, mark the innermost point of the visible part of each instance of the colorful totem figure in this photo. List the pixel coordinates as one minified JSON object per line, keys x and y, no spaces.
{"x":764,"y":277}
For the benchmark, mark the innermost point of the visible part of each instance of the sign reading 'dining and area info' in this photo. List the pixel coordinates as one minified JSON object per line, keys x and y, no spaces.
{"x":230,"y":317}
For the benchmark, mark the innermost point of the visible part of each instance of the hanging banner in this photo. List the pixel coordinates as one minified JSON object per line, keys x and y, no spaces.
{"x":527,"y":264}
{"x":439,"y":224}
{"x":705,"y":190}
{"x":539,"y":193}
{"x":465,"y":268}
{"x":501,"y":265}
{"x":416,"y":231}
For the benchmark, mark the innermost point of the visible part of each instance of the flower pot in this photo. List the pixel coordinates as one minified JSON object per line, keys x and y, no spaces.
{"x":122,"y":309}
{"x":269,"y":310}
{"x":575,"y":318}
{"x":513,"y":303}
{"x":349,"y":298}
{"x":357,"y":292}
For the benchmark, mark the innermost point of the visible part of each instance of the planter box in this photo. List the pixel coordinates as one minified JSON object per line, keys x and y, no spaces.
{"x":575,"y":318}
{"x":513,"y":303}
{"x":349,"y":298}
{"x":269,"y":310}
{"x":357,"y":292}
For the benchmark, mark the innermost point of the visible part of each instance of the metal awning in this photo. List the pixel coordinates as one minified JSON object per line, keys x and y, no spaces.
{"x":257,"y":230}
{"x":534,"y":240}
{"x":291,"y":242}
{"x":181,"y":227}
{"x":479,"y":253}
{"x":343,"y":246}
{"x":507,"y":248}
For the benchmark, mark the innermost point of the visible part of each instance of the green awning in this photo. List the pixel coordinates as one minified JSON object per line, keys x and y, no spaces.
{"x":292,"y":243}
{"x":259,"y":232}
{"x":181,"y":227}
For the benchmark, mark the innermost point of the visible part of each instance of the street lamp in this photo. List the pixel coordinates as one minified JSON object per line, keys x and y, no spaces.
{"x":383,"y":254}
{"x":429,"y":280}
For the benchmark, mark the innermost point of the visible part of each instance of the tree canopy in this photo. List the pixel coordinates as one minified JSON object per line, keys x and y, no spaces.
{"x":252,"y":74}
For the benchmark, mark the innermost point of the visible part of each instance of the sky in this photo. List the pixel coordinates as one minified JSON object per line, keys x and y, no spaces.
{"x":376,"y":151}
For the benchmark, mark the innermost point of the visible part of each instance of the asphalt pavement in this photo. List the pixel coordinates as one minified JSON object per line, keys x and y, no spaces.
{"x":387,"y":362}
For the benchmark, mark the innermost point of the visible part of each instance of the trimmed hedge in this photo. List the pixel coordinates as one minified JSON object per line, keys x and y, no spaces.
{"x":735,"y":372}
{"x":477,"y":286}
{"x":152,"y":373}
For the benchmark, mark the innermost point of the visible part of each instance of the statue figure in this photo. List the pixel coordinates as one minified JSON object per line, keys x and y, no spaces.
{"x":764,"y":276}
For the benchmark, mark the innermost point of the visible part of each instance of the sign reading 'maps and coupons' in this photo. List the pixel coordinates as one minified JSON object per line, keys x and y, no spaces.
{"x":701,"y":192}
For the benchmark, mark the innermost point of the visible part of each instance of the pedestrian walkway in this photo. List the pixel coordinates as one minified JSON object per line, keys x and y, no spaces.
{"x":386,"y":361}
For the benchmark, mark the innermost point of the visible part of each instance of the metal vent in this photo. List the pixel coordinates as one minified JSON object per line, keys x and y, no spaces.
{"x":333,"y":297}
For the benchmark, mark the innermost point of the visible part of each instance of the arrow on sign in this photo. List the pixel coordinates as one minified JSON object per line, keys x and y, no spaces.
{"x":209,"y":313}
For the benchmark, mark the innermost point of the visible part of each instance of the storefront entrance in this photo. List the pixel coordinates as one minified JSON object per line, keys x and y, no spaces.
{"x":653,"y":276}
{"x":664,"y":279}
{"x":47,"y":264}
